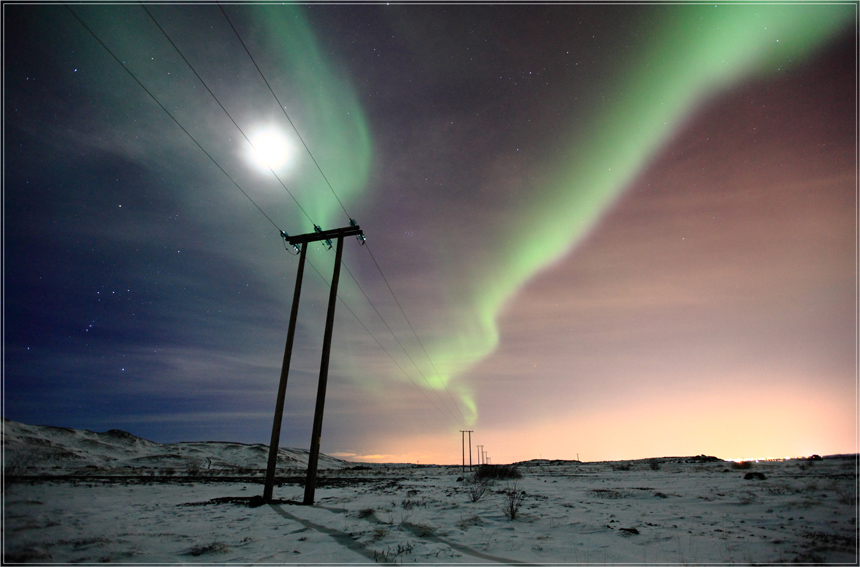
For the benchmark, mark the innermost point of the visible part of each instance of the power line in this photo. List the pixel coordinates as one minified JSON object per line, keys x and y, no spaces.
{"x":399,"y":306}
{"x":385,"y":350}
{"x":92,"y":33}
{"x":190,"y":66}
{"x":215,"y":162}
{"x":284,"y":110}
{"x":307,"y":148}
{"x":384,"y":322}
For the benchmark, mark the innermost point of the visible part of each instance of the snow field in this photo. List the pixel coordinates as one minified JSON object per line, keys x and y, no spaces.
{"x":573,"y":513}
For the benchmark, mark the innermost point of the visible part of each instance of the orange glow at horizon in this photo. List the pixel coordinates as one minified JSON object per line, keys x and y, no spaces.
{"x":799,"y":424}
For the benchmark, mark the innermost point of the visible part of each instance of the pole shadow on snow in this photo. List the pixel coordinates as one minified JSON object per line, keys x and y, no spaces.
{"x":340,"y":537}
{"x":416,"y":530}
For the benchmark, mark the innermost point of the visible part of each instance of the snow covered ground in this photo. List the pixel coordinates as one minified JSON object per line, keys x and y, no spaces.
{"x":671,"y":510}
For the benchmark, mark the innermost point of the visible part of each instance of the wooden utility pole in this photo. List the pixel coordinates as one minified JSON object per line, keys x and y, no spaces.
{"x":282,"y":387}
{"x":316,"y":435}
{"x":470,"y":451}
{"x":301,"y":242}
{"x":463,"y":435}
{"x":463,"y":447}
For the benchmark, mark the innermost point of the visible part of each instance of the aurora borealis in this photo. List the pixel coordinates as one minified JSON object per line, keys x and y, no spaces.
{"x":618,"y":231}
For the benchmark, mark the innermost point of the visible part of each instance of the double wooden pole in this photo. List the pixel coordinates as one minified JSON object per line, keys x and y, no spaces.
{"x":316,"y":435}
{"x":463,"y":435}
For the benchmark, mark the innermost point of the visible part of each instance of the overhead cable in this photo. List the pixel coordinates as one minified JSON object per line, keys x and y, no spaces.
{"x":117,"y":59}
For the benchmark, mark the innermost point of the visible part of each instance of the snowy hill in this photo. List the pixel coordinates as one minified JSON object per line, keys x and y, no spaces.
{"x":40,"y":450}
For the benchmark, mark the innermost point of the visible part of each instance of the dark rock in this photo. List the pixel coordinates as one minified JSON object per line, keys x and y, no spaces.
{"x":754,"y":475}
{"x":256,"y":501}
{"x":630,"y":531}
{"x":704,"y":459}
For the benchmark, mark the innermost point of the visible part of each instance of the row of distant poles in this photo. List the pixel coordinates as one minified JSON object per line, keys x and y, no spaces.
{"x":483,"y":459}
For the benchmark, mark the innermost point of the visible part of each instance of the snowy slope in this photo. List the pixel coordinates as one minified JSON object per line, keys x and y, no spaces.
{"x":34,"y":450}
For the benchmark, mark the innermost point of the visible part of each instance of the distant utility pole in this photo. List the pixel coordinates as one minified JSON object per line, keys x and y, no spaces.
{"x":463,"y":436}
{"x":470,"y":451}
{"x":478,"y":447}
{"x":301,"y":243}
{"x":463,"y":446}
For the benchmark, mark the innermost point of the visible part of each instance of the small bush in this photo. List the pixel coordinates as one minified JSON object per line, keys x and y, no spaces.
{"x":742,"y":465}
{"x":497,"y":472}
{"x":408,"y":503}
{"x":621,"y":467}
{"x":512,"y":500}
{"x":654,"y":464}
{"x":476,"y":488}
{"x":390,"y":554}
{"x":847,"y":496}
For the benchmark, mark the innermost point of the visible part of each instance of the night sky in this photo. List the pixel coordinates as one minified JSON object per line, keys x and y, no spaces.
{"x":611,"y":232}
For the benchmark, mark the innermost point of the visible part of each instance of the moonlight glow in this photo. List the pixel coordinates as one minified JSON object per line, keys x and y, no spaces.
{"x":270,"y":149}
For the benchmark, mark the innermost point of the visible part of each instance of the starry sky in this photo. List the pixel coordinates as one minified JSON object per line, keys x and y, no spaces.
{"x":593,"y":231}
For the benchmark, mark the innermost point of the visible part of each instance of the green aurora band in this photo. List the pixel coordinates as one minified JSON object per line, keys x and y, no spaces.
{"x":331,"y":122}
{"x":694,"y":53}
{"x":698,"y":51}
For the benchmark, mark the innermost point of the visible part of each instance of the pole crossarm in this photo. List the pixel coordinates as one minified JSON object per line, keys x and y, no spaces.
{"x":323,"y":235}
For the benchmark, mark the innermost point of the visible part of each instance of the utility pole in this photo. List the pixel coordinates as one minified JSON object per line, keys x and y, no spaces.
{"x":300,"y":243}
{"x":282,"y":387}
{"x":479,"y":453}
{"x":470,"y":451}
{"x":463,"y":436}
{"x":463,"y":446}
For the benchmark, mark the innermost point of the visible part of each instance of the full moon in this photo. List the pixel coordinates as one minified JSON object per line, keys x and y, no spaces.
{"x":270,"y":149}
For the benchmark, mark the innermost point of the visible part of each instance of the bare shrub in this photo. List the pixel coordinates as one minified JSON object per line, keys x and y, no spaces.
{"x":512,"y":499}
{"x":654,"y":464}
{"x":741,"y":465}
{"x":409,"y":503}
{"x":476,"y":488}
{"x":390,"y":554}
{"x":847,"y":495}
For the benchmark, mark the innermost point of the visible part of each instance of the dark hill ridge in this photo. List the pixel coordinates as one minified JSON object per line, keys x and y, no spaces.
{"x":643,"y":462}
{"x":46,"y":450}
